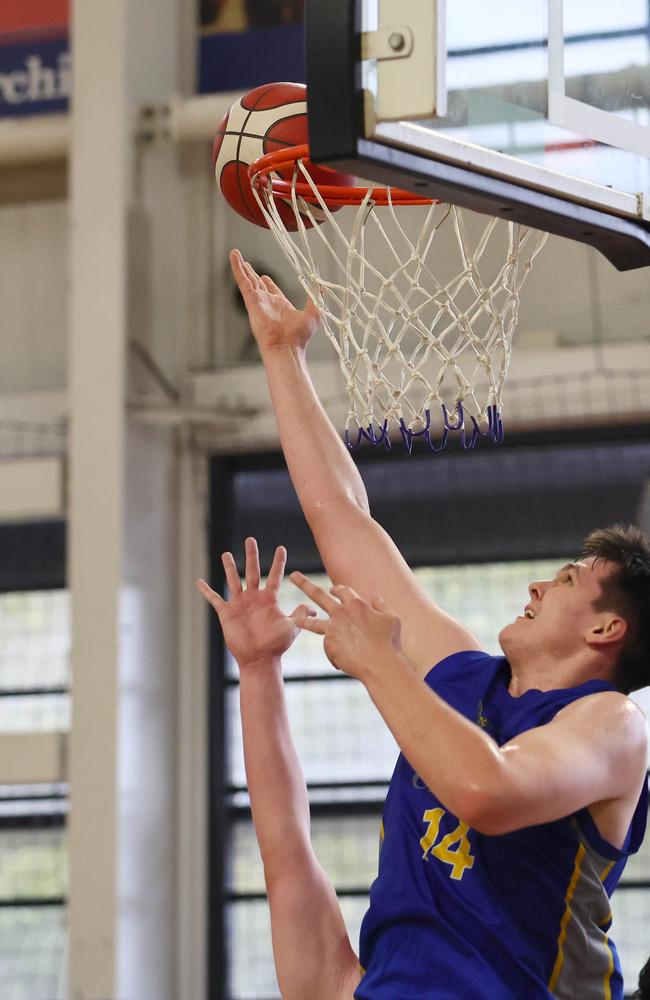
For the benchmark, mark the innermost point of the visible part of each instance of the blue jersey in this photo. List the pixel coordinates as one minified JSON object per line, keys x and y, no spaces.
{"x":457,"y":914}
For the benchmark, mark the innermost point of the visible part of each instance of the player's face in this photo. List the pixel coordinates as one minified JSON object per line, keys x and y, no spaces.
{"x":560,"y":612}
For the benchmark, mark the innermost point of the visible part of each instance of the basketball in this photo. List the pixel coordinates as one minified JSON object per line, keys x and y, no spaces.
{"x":270,"y":118}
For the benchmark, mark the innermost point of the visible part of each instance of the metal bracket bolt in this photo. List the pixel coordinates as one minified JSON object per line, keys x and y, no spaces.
{"x":387,"y":43}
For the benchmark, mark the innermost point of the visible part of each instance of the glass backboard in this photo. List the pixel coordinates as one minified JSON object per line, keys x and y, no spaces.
{"x":535,"y":110}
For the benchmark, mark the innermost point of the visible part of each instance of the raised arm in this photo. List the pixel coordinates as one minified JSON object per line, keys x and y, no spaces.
{"x":354,"y":548}
{"x":313,"y":956}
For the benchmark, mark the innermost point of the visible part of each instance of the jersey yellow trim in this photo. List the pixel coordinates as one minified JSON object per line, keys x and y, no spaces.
{"x":607,"y":982}
{"x":605,"y":872}
{"x":559,"y":961}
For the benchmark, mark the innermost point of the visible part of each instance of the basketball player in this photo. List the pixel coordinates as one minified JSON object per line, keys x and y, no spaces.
{"x":521,"y":788}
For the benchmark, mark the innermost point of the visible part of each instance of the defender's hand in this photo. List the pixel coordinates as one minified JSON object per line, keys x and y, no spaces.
{"x":359,"y":637}
{"x":255,"y":628}
{"x":274,"y":321}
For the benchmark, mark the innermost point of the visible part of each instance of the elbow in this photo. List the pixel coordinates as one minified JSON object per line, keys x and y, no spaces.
{"x":282,"y":857}
{"x":495,"y":804}
{"x":489,"y":811}
{"x":362,"y":502}
{"x":358,"y":497}
{"x":345,"y":508}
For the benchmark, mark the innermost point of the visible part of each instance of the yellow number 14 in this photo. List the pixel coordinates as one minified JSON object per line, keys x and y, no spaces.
{"x":459,"y":858}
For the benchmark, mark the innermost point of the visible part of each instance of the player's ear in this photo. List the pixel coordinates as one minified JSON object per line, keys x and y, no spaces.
{"x":610,"y":628}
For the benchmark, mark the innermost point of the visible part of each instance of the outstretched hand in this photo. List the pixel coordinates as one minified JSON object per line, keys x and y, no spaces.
{"x":254,"y":626}
{"x":274,"y":321}
{"x":360,"y":637}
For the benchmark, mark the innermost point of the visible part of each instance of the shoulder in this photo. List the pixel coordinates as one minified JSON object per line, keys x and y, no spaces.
{"x":613,"y":706}
{"x":611,"y":718}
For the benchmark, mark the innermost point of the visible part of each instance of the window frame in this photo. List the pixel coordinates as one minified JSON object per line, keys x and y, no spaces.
{"x":222,"y":816}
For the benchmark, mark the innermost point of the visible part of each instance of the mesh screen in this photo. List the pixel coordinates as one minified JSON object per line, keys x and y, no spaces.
{"x":22,"y":438}
{"x":32,"y":953}
{"x":33,"y":889}
{"x":332,"y":723}
{"x":631,"y":913}
{"x":34,"y":697}
{"x":593,"y":394}
{"x":34,"y":661}
{"x":33,"y":861}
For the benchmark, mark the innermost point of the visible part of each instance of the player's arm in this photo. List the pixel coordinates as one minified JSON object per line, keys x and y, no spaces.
{"x":354,"y":548}
{"x":313,"y":955}
{"x":593,"y":751}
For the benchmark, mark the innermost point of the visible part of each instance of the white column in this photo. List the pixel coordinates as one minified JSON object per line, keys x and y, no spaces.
{"x":122,"y":557}
{"x":99,"y":169}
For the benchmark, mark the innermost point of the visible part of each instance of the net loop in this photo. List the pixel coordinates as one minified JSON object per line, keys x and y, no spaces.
{"x":368,"y":434}
{"x":419,"y":304}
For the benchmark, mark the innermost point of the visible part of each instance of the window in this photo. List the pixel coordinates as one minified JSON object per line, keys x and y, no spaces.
{"x":34,"y":699}
{"x":35,"y":661}
{"x":511,"y":516}
{"x":33,"y":889}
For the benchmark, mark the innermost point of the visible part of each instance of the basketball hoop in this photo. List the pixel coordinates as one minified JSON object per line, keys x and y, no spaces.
{"x":414,"y":336}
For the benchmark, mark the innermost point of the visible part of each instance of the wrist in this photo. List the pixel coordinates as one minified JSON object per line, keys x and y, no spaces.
{"x":386,"y":669}
{"x":260,"y":666}
{"x":277,"y":353}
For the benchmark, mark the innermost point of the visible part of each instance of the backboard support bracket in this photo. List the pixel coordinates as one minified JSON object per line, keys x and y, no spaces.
{"x":387,"y":43}
{"x":345,"y":119}
{"x":413,"y":32}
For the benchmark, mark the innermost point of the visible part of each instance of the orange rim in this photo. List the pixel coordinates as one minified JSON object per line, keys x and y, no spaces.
{"x":334,"y":195}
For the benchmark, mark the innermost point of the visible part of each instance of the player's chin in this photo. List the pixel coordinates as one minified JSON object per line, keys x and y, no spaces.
{"x":506,"y":637}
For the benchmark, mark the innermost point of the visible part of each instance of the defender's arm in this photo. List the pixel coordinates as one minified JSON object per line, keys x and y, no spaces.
{"x":313,"y":956}
{"x":314,"y":959}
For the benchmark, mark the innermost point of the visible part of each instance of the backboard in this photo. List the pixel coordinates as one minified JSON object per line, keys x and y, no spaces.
{"x":532,"y":110}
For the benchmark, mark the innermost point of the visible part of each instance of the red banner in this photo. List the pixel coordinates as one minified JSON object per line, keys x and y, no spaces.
{"x":23,"y":18}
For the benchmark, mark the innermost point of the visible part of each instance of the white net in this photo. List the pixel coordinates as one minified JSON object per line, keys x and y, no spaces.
{"x":420,"y":304}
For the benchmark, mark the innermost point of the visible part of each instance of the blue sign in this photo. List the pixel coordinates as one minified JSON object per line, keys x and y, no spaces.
{"x":35,"y":77}
{"x":36,"y":63}
{"x":244,"y":60}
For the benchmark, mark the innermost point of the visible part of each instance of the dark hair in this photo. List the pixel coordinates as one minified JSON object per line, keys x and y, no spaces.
{"x":626,"y":591}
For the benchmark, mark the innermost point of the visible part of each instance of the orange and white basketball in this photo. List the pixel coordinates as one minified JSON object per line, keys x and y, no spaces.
{"x":270,"y":118}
